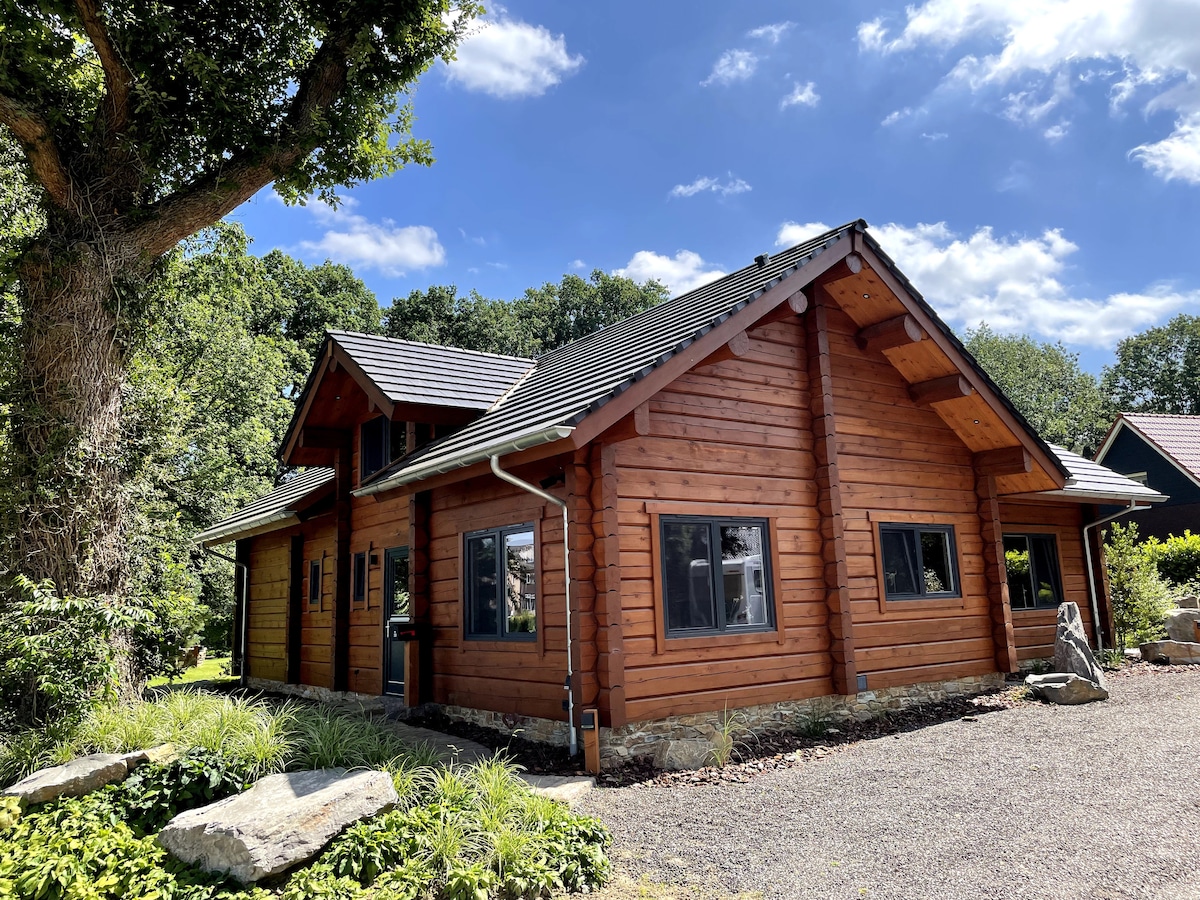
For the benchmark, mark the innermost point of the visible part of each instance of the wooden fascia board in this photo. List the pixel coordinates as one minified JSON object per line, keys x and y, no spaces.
{"x":1150,"y":442}
{"x":934,"y":333}
{"x":699,"y":350}
{"x":306,"y":399}
{"x":364,"y":381}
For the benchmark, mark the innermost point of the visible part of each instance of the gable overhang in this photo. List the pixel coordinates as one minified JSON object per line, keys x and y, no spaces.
{"x":1122,"y":422}
{"x":295,"y":513}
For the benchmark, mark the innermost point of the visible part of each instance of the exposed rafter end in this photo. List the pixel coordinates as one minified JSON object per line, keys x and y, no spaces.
{"x":793,"y":306}
{"x":936,"y":390}
{"x":737,"y":347}
{"x":636,"y":424}
{"x":851,"y":265}
{"x":1005,"y":461}
{"x":890,"y":333}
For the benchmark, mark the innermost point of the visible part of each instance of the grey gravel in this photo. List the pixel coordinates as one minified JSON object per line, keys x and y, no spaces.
{"x":1037,"y":801}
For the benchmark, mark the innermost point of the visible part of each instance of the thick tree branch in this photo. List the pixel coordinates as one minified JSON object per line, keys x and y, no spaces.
{"x":33,"y":133}
{"x":212,"y":195}
{"x":118,"y":79}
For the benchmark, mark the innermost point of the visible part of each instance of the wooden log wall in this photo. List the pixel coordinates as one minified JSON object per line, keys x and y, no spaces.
{"x":899,"y":462}
{"x":316,"y":633}
{"x":1034,"y":628}
{"x":266,"y":627}
{"x":731,"y":438}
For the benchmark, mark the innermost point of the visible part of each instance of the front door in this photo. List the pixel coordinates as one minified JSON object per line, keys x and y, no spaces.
{"x":397,"y":618}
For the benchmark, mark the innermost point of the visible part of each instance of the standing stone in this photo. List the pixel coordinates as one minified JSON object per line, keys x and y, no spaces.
{"x":1071,"y":651}
{"x":282,"y":821}
{"x":1065,"y":688}
{"x":1182,"y":625}
{"x":74,"y":779}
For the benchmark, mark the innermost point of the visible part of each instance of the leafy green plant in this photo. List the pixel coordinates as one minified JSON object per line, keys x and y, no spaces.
{"x":728,"y":730}
{"x":155,"y":793}
{"x":817,"y":720}
{"x":1177,"y":558}
{"x":1111,"y":659}
{"x":1139,"y":597}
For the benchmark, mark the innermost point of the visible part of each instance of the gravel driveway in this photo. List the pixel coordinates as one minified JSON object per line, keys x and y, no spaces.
{"x":1096,"y":801}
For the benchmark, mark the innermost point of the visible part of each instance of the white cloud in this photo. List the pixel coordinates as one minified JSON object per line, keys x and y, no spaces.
{"x":354,"y":240}
{"x":1138,"y":47}
{"x":772,"y":33}
{"x":934,"y":135}
{"x":896,"y":115}
{"x":801,"y":95}
{"x":734,"y":65}
{"x":791,"y":233}
{"x":1014,"y":283}
{"x":1056,"y":133}
{"x":680,"y":273}
{"x":578,"y":264}
{"x":705,"y":183}
{"x":508,"y":58}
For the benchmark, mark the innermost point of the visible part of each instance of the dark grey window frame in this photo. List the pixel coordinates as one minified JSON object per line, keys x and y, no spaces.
{"x":1056,"y":580}
{"x":314,"y":582}
{"x":918,"y":528}
{"x":469,"y":597}
{"x":718,"y":600}
{"x":360,"y":573}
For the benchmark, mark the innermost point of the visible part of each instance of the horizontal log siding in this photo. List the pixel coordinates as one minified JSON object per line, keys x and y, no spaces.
{"x":519,"y":677}
{"x":320,"y":542}
{"x":266,"y":626}
{"x":737,"y":432}
{"x":897,"y":457}
{"x":1034,"y":629}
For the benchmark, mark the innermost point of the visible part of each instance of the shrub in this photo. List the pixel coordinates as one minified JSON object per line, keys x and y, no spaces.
{"x":156,"y":793}
{"x":1177,"y":558}
{"x":1139,"y":597}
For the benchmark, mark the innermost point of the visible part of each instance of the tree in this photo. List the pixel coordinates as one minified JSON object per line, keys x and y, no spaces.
{"x":1158,"y":371}
{"x":141,"y":123}
{"x":1044,"y":381}
{"x":556,"y":314}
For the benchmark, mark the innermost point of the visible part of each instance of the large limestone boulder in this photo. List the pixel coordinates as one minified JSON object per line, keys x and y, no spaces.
{"x":74,"y":779}
{"x":1071,"y":651}
{"x":282,"y":821}
{"x":1179,"y":653}
{"x":680,"y":756}
{"x":1065,"y":688}
{"x":1183,"y":625}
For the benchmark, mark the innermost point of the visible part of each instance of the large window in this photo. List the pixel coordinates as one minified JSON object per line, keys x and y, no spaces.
{"x":1031,"y":561}
{"x":501,"y":584}
{"x":380,"y":440}
{"x":919,"y":561}
{"x":716,"y":575}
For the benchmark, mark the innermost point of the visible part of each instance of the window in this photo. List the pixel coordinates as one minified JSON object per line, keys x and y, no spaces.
{"x":697,"y":601}
{"x":1031,"y":561}
{"x":919,"y":561}
{"x":314,"y":582}
{"x":359,"y":579}
{"x":500,"y":584}
{"x":373,"y":439}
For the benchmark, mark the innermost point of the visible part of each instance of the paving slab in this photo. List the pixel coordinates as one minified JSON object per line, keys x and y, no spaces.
{"x":564,"y":788}
{"x":450,"y":749}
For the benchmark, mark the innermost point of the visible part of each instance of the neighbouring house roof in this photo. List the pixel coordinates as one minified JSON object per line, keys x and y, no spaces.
{"x":1096,"y":483}
{"x":279,"y":508}
{"x":410,"y":372}
{"x":568,"y":384}
{"x":1177,"y":438}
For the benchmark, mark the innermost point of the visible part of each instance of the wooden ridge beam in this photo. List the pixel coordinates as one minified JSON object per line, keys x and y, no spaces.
{"x":1004,"y":461}
{"x":937,"y":390}
{"x":889,"y":333}
{"x":851,"y":265}
{"x":795,"y":305}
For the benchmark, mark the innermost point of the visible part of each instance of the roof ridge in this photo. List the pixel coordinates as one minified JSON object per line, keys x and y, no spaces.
{"x":334,"y":332}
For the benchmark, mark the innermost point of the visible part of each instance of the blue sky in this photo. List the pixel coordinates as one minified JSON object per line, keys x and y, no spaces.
{"x":1035,"y":165}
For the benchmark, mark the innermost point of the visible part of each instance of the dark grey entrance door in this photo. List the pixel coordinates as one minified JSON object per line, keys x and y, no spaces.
{"x":397,"y":618}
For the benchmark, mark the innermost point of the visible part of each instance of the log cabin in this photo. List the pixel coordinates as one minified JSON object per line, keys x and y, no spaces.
{"x":791,"y":485}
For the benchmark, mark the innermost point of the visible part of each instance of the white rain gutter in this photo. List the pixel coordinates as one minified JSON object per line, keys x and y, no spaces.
{"x":220,"y":534}
{"x":245,"y":605}
{"x":503,"y":448}
{"x":561,"y":504}
{"x":1087,"y":549}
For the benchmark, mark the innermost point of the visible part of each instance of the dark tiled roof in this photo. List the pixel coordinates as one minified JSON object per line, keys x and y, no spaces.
{"x":1176,"y":436}
{"x":409,"y":372}
{"x":1090,"y":480}
{"x":276,"y":506}
{"x":567,"y":384}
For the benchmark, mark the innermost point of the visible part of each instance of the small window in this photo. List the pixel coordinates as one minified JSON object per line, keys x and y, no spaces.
{"x":1031,"y":561}
{"x":314,"y":582}
{"x":501,"y":584}
{"x":374,"y":445}
{"x":696,"y":599}
{"x":919,"y":561}
{"x":359,"y":579}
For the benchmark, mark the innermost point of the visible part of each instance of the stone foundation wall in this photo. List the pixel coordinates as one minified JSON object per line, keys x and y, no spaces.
{"x":367,"y":703}
{"x":545,"y":731}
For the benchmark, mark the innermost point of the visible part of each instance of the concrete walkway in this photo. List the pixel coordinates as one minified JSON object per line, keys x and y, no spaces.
{"x":450,"y":749}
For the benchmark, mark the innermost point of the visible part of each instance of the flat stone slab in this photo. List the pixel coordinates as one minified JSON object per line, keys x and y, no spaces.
{"x":564,"y":788}
{"x":449,"y":749}
{"x":1183,"y":625}
{"x":74,"y":779}
{"x":1178,"y":653}
{"x":283,"y":820}
{"x":1065,"y":688}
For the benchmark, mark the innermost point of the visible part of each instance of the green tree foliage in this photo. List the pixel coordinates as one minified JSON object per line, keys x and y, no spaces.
{"x":1177,"y":559}
{"x":1044,"y":381}
{"x":1158,"y":371}
{"x":1139,"y":597}
{"x":539,"y":321}
{"x":140,"y":124}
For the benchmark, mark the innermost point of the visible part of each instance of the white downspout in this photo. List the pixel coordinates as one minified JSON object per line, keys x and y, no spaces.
{"x":561,"y":504}
{"x":1087,"y":550}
